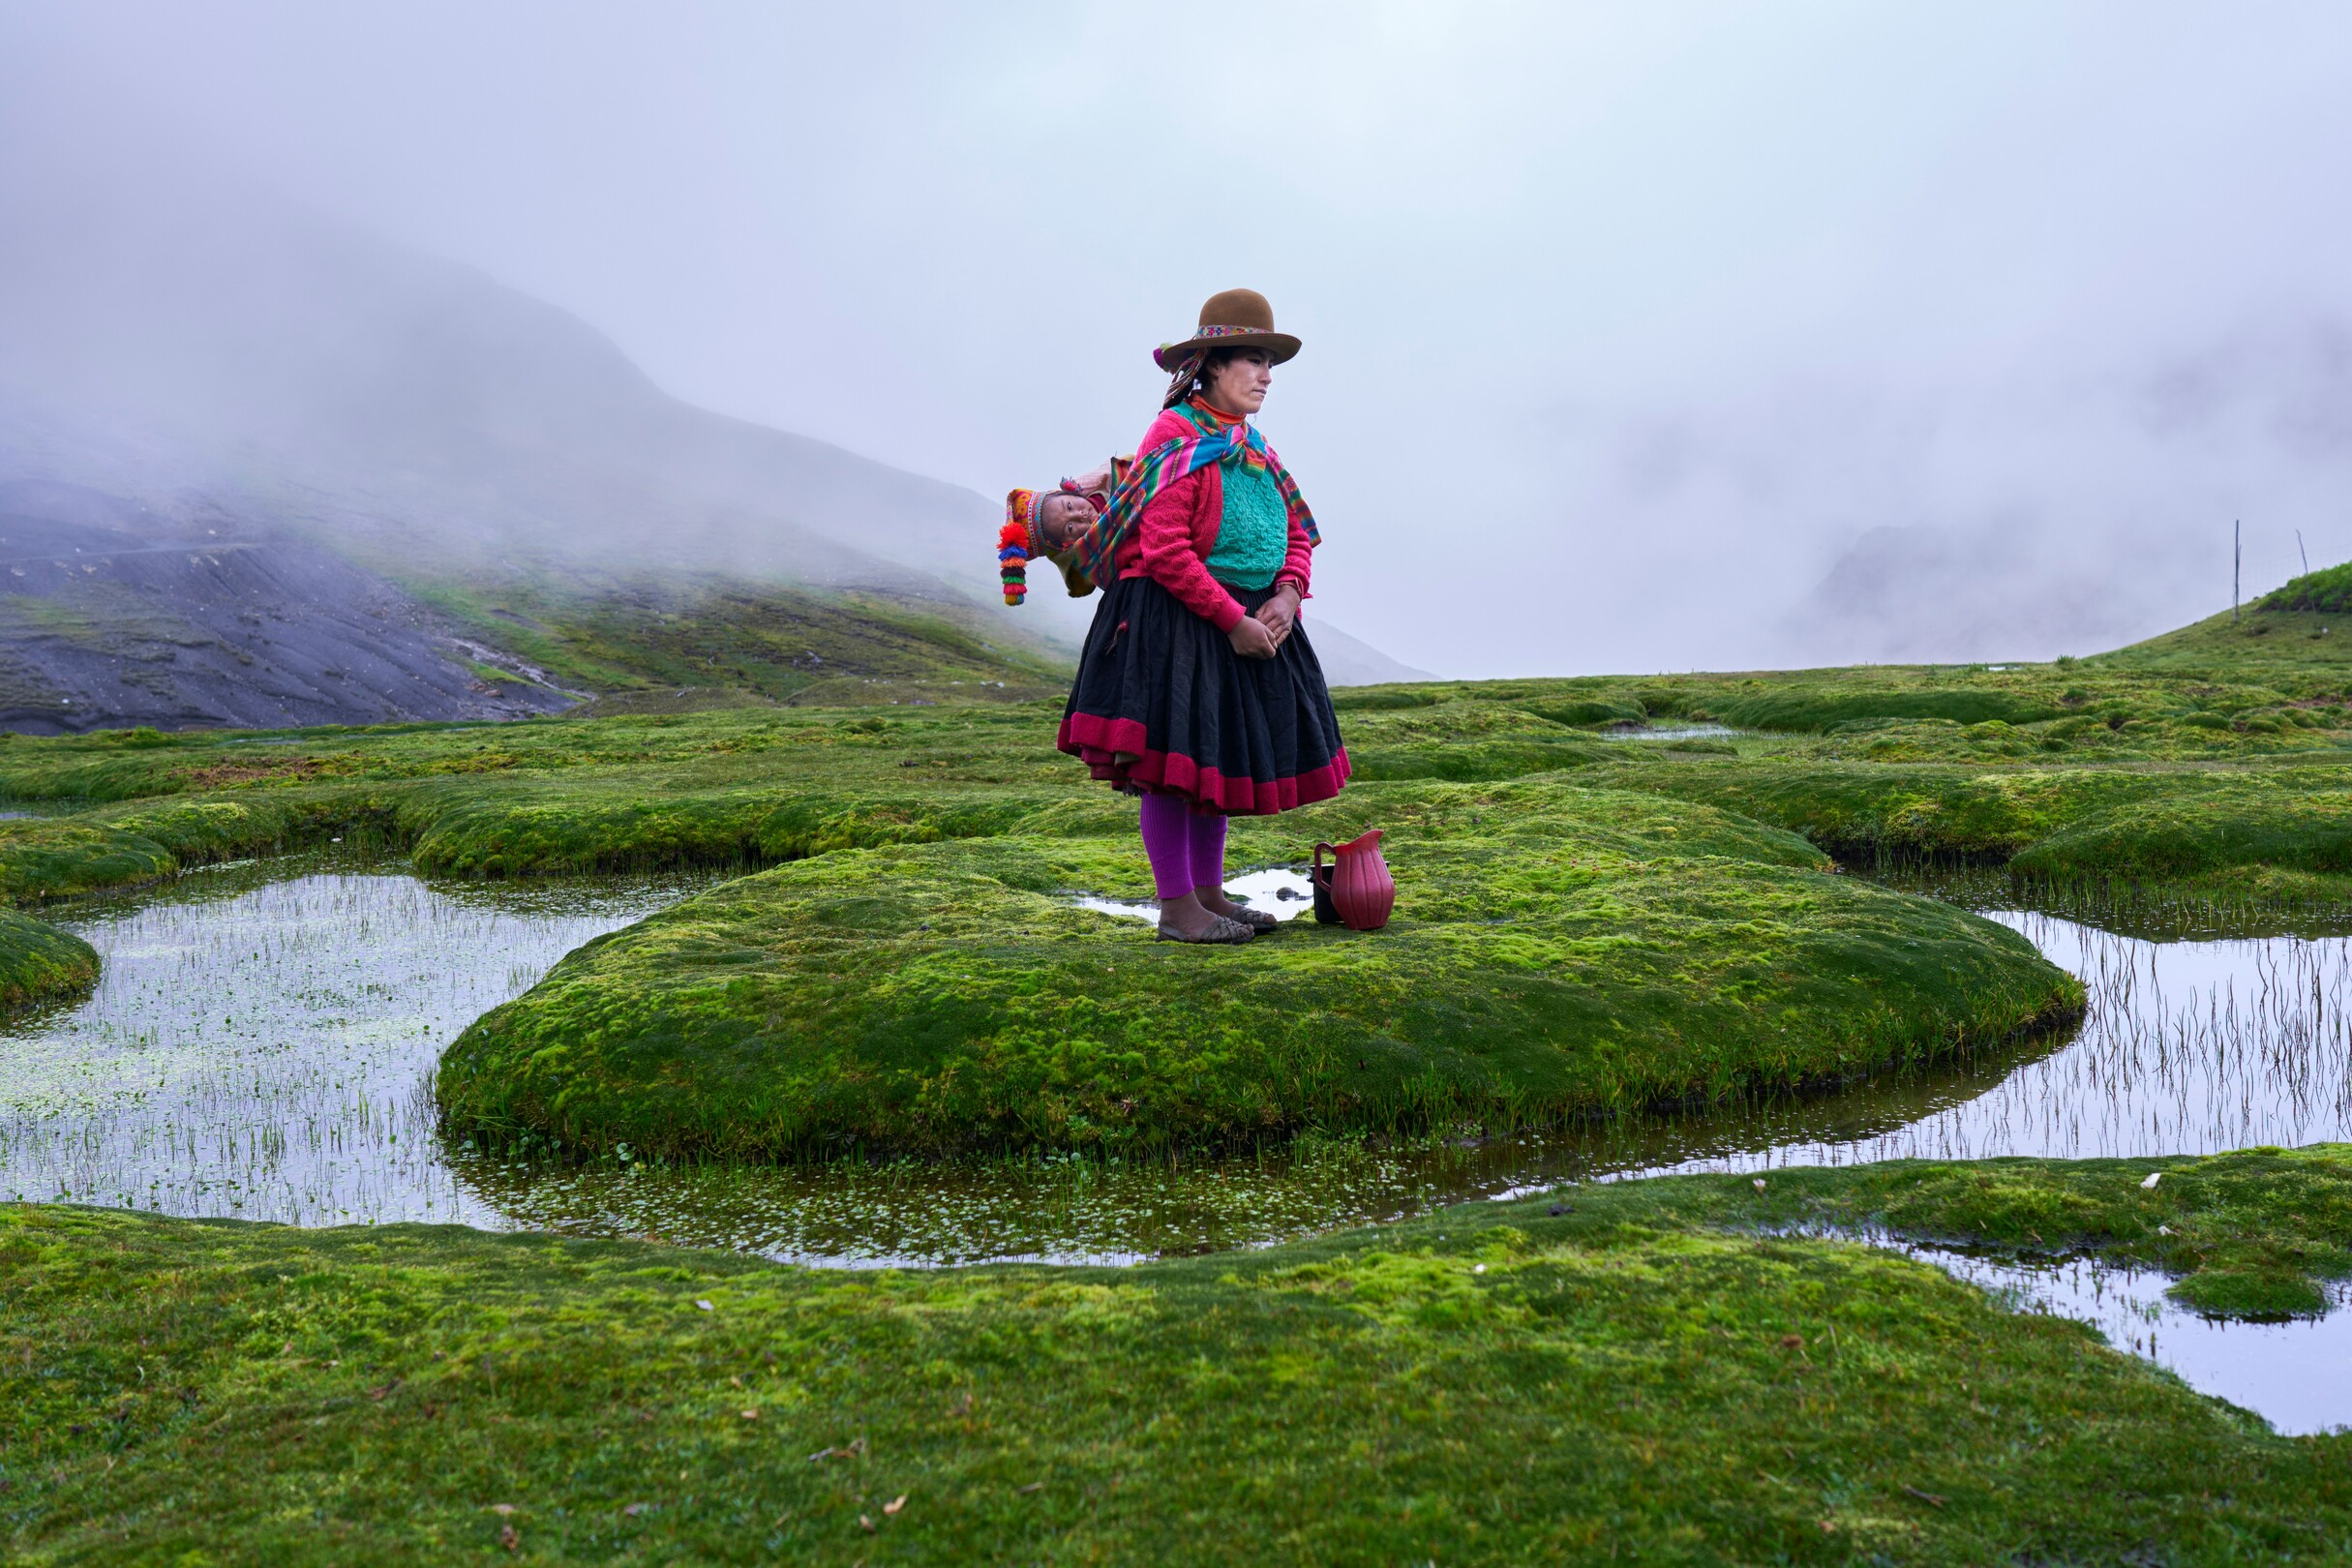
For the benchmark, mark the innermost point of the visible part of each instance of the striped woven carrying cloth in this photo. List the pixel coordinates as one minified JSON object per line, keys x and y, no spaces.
{"x":1097,"y":550}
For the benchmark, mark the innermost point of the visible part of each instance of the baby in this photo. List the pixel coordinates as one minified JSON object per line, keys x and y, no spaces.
{"x":1049,"y":523}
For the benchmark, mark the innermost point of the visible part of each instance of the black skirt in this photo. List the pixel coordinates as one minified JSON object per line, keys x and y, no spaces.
{"x":1162,"y":705}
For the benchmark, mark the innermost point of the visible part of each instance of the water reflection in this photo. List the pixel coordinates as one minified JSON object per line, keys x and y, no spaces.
{"x":2189,"y":1047}
{"x":2296,"y":1376}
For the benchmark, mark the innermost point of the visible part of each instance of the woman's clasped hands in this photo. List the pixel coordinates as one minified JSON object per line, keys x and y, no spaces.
{"x":1259,"y":635}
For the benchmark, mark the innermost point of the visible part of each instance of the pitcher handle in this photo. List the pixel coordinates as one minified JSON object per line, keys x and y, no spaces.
{"x":1319,"y":848}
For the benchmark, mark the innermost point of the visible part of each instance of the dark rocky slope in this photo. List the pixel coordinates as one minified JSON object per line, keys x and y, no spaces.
{"x":114,"y":615}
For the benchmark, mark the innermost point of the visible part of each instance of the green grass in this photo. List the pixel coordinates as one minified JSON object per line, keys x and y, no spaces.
{"x":1644,"y":1375}
{"x":1555,"y":951}
{"x":1630,"y":964}
{"x":743,"y":786}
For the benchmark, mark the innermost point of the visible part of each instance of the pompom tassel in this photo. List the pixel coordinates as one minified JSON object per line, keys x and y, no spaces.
{"x":1013,"y":558}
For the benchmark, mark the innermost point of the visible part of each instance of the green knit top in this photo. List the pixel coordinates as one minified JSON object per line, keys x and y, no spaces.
{"x":1253,"y":536}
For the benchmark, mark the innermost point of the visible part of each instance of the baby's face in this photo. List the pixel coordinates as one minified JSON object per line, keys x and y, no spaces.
{"x":1063,"y":519}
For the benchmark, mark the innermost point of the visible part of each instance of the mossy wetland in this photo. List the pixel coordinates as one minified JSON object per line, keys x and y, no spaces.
{"x":814,"y":984}
{"x":1665,"y":1371}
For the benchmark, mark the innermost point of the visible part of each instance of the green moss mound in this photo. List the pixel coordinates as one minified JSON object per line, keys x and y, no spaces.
{"x":2279,"y":839}
{"x":2211,"y":766}
{"x":1463,"y":742}
{"x":1866,"y":811}
{"x":1379,"y":699}
{"x":1646,"y":1373}
{"x":652,"y":788}
{"x":523,"y":827}
{"x":539,"y":831}
{"x":1473,"y":760}
{"x":1556,"y":949}
{"x":39,"y":963}
{"x":2183,"y":838}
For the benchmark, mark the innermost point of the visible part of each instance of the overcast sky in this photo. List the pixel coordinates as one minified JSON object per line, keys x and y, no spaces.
{"x":1623,"y":323}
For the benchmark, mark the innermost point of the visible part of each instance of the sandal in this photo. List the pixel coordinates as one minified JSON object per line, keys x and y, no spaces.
{"x":1256,"y":919}
{"x":1222,"y":932}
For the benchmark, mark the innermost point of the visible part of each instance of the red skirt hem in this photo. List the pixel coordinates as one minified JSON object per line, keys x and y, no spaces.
{"x":1114,"y":751}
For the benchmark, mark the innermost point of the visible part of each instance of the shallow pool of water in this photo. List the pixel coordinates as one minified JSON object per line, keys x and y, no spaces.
{"x":2296,"y":1376}
{"x":1280,"y":891}
{"x":2187,"y":1048}
{"x":1669,"y":732}
{"x":261,"y":1040}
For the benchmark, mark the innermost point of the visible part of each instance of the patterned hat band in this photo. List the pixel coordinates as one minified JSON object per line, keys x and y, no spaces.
{"x":1202,"y":333}
{"x":1279,"y":346}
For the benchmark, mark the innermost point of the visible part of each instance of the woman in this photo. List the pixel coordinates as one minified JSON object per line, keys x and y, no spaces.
{"x":1197,"y":688}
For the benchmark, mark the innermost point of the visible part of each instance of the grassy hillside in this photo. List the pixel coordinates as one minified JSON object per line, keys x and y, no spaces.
{"x":712,"y":635}
{"x":2306,"y":623}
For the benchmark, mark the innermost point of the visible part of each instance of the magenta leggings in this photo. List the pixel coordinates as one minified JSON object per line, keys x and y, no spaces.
{"x":1187,"y":848}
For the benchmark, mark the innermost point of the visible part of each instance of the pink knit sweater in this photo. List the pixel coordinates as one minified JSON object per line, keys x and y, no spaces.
{"x":1176,"y":533}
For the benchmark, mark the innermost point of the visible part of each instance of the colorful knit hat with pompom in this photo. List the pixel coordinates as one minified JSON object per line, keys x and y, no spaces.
{"x":1022,"y":537}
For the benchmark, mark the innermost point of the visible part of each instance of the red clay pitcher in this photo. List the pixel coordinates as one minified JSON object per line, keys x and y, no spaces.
{"x":1355,"y":890}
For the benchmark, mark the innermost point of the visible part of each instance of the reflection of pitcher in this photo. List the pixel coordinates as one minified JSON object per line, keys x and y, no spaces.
{"x":1355,"y":890}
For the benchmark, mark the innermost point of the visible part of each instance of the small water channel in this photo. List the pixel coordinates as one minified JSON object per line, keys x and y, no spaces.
{"x":1669,"y":732}
{"x":2297,"y":1375}
{"x":262,"y":1042}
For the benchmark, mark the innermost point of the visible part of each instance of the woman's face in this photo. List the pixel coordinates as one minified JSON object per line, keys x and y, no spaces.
{"x":1239,"y":384}
{"x":1063,"y":519}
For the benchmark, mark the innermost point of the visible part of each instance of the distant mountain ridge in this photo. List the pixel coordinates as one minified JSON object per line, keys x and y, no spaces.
{"x":369,"y":445}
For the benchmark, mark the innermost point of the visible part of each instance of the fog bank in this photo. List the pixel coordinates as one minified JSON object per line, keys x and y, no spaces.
{"x":1727,"y":336}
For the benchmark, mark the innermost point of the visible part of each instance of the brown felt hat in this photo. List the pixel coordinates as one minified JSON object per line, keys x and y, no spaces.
{"x":1237,"y":319}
